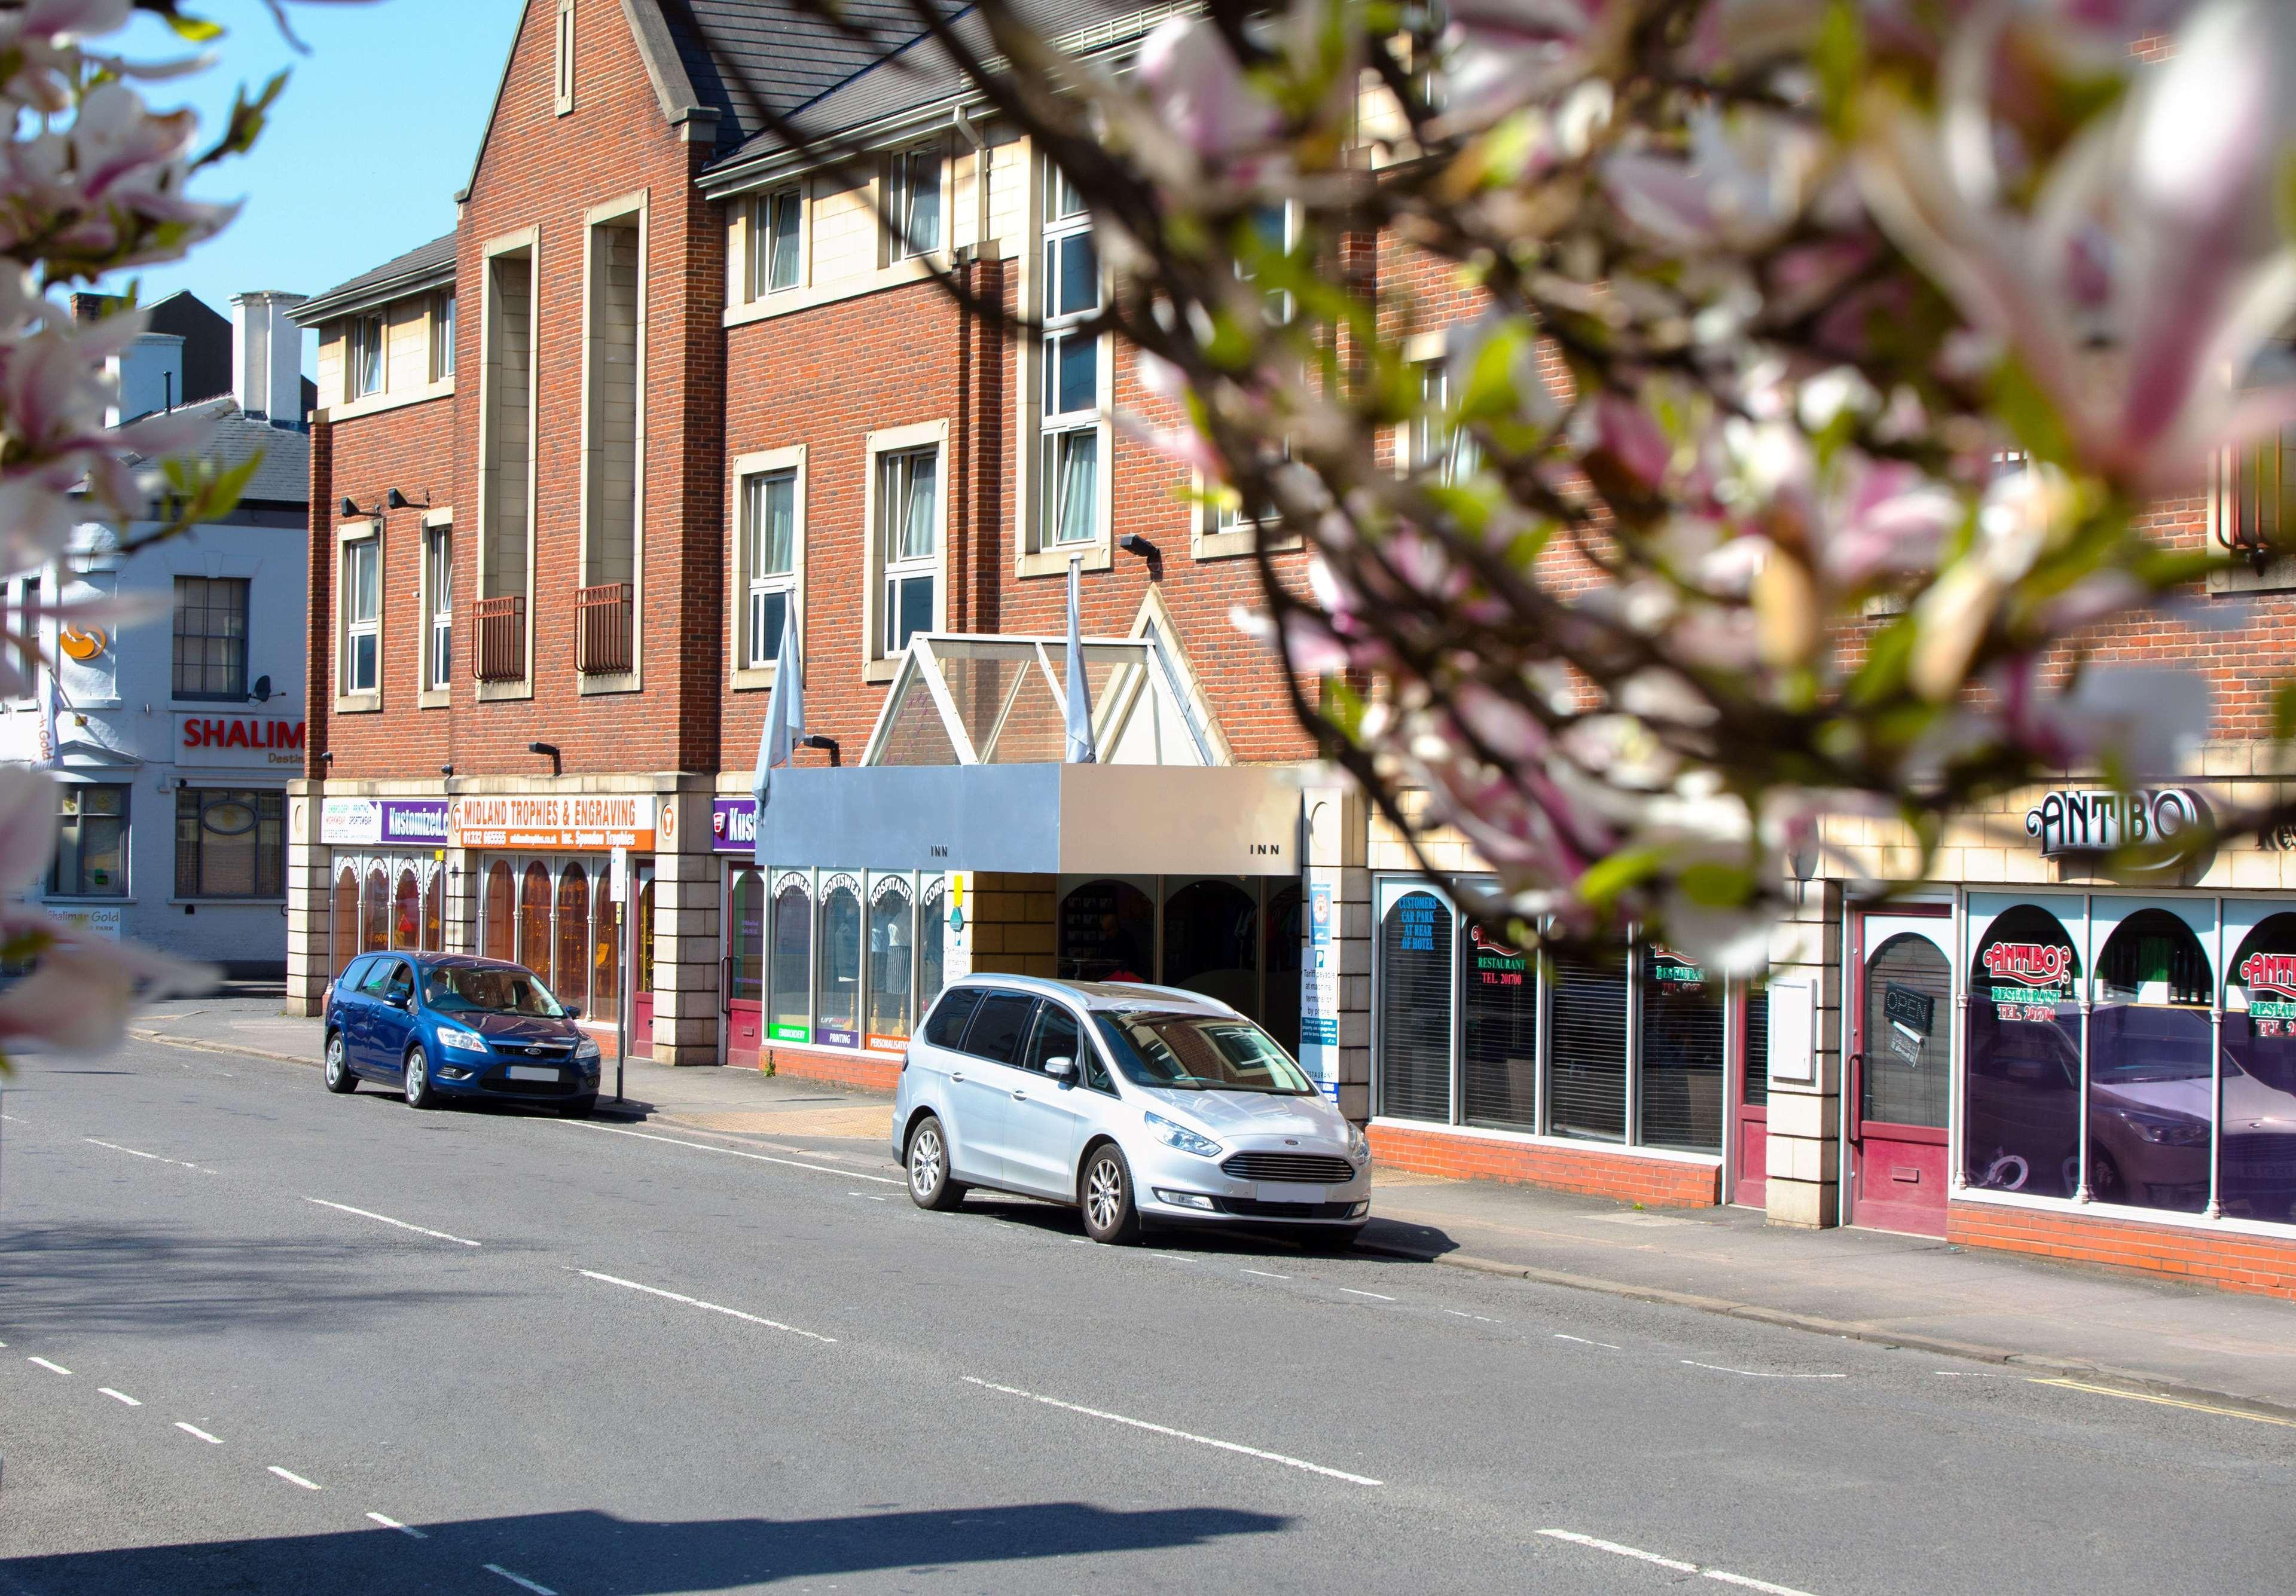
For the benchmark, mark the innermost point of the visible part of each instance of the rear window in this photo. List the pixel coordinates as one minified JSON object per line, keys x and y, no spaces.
{"x":946,"y":1029}
{"x":998,"y":1026}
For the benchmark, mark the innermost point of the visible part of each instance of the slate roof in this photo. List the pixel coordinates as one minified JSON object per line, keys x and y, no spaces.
{"x":745,"y":56}
{"x":433,"y":261}
{"x":285,"y":477}
{"x":910,"y":70}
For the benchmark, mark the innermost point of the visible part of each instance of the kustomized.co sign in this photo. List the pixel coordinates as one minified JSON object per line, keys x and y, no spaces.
{"x":584,"y":821}
{"x":359,"y":820}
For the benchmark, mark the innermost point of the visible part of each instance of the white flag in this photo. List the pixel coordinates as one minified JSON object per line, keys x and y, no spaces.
{"x":1080,"y":750}
{"x":784,"y":718}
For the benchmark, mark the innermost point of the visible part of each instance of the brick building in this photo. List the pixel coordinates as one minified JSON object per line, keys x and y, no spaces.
{"x":671,"y":387}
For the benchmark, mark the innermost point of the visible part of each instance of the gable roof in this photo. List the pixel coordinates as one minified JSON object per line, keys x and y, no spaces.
{"x":427,"y":266}
{"x":910,"y":70}
{"x":284,"y":475}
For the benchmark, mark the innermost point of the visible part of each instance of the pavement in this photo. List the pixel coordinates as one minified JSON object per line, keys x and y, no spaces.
{"x":2171,"y":1340}
{"x":260,"y":1339}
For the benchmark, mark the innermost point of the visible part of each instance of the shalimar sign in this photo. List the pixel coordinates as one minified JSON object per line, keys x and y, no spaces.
{"x":2071,"y":821}
{"x":2030,"y":978}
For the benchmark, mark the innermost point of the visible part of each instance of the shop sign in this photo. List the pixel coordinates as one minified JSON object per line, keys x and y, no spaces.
{"x":790,"y":1032}
{"x":2029,"y":979}
{"x":2274,"y":973}
{"x":589,"y":823}
{"x":1319,"y":992}
{"x":92,"y":922}
{"x":238,"y":740}
{"x":2096,"y":821}
{"x":1677,"y":976}
{"x":733,"y":825}
{"x":838,"y":1036}
{"x":359,"y":820}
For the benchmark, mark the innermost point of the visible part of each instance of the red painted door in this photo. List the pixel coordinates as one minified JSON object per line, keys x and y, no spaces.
{"x":1750,"y":1112}
{"x":1900,"y":1078}
{"x":744,"y":972}
{"x":640,"y":959}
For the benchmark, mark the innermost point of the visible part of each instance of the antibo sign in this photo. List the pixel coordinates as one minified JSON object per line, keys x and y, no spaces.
{"x":2271,"y":982}
{"x":2076,"y":823}
{"x":2030,"y":978}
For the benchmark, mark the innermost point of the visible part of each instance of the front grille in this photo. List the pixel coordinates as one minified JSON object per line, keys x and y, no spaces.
{"x":1249,"y":1207}
{"x":1318,"y":1169}
{"x":499,"y":1080}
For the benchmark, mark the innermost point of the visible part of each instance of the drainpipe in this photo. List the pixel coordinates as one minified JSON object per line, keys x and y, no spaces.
{"x":979,"y":141}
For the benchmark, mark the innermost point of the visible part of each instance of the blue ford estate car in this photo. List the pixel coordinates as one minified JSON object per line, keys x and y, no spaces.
{"x":438,"y":1026}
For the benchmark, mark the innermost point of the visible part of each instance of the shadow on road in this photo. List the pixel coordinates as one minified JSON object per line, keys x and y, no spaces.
{"x":598,"y":1554}
{"x":84,"y":1278}
{"x":1386,"y":1238}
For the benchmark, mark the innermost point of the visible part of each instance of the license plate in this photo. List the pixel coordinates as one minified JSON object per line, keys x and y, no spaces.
{"x":532,"y":1072}
{"x":1289,"y":1192}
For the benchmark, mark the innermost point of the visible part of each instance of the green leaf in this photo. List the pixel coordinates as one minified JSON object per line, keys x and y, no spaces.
{"x":197,"y":29}
{"x":2284,"y":711}
{"x":1719,"y":886}
{"x":1606,"y":878}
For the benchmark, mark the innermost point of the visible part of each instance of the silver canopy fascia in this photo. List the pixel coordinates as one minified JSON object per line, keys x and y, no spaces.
{"x":1230,"y":820}
{"x":1001,"y":699}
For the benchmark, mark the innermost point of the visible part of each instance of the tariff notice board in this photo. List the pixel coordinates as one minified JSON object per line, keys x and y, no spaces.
{"x":1319,"y":989}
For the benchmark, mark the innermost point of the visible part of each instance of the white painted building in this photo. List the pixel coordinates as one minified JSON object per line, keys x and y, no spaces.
{"x":174,"y":735}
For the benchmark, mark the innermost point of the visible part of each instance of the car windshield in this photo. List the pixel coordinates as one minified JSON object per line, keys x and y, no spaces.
{"x":1199,"y":1053}
{"x":483,"y":989}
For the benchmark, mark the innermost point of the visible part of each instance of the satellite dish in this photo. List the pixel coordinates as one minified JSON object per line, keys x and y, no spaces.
{"x":262,"y":692}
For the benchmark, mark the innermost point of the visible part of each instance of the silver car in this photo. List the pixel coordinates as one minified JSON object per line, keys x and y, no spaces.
{"x":1138,"y":1104}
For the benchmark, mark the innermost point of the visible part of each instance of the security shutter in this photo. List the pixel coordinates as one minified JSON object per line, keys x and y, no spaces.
{"x":1414,"y":1008}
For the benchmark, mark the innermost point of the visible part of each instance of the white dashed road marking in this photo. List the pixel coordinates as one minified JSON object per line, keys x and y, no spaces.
{"x":394,"y":1524}
{"x":119,"y":1396}
{"x":1583,"y":1341}
{"x":1375,"y":1295}
{"x":1759,"y":1373}
{"x":51,"y":1368}
{"x":520,"y":1581}
{"x":194,"y":1431}
{"x":386,"y":1219}
{"x":696,"y":1302}
{"x":1177,"y":1434}
{"x":155,"y":1158}
{"x":1267,"y":1275}
{"x":293,"y":1479}
{"x":1742,"y":1581}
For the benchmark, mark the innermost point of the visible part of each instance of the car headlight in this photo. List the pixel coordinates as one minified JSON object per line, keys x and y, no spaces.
{"x":1359,"y":1144}
{"x":460,"y":1040}
{"x":587,"y":1052}
{"x":1173,"y":1135}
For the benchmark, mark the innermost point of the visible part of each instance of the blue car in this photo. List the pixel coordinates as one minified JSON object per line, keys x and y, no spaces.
{"x":441,"y":1025}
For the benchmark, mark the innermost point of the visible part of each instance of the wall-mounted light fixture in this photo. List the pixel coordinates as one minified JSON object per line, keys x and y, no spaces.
{"x":396,"y":499}
{"x":446,"y":770}
{"x":352,"y":513}
{"x":828,"y":745}
{"x":550,"y":749}
{"x":1132,"y":543}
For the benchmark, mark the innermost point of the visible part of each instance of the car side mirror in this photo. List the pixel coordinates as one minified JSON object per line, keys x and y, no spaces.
{"x":573,"y":1011}
{"x":1064,"y":1070}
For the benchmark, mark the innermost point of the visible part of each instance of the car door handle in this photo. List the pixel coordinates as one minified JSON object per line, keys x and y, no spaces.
{"x":956,"y":1075}
{"x":1020,"y":1097}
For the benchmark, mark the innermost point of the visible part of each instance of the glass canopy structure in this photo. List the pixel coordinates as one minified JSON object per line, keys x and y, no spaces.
{"x":975,"y":700}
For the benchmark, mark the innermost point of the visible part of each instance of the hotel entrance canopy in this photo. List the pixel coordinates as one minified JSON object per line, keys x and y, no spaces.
{"x":963,"y":772}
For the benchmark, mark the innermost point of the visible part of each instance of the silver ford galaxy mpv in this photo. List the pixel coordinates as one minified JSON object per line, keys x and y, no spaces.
{"x":1134,"y":1103}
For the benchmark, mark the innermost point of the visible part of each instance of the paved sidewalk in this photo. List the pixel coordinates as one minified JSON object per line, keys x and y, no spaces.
{"x":2054,"y":1320}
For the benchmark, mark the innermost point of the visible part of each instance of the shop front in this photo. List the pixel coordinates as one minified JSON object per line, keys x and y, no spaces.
{"x":1625,"y":1071}
{"x":387,"y":875}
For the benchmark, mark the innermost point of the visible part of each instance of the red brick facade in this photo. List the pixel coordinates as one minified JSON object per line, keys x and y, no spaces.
{"x":2231,"y":1261}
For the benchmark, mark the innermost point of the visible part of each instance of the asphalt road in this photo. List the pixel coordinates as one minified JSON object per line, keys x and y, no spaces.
{"x":259,"y":1338}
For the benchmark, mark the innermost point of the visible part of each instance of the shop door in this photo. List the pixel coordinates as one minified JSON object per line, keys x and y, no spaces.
{"x":1900,"y":1082}
{"x":1751,"y":1188}
{"x":745,"y":968}
{"x":638,"y":959}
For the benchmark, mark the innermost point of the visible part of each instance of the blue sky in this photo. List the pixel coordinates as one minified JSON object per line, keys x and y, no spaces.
{"x":375,"y":132}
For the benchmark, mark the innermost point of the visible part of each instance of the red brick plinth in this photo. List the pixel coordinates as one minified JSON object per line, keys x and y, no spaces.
{"x":1617,"y":1173}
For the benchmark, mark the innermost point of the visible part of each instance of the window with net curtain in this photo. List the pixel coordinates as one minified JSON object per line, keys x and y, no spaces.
{"x":770,"y":518}
{"x":908,"y":531}
{"x":1072,"y":353}
{"x":210,"y":640}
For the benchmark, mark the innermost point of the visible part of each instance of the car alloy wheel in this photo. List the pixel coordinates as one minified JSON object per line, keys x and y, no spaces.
{"x":418,"y":1079}
{"x":930,"y":1186}
{"x":338,"y":1072}
{"x":1109,"y":1213}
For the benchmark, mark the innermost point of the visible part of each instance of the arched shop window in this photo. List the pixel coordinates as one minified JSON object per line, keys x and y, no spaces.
{"x":790,"y":1011}
{"x":573,"y":984}
{"x":1681,"y":1025}
{"x":434,"y":925}
{"x":892,"y":962}
{"x":1905,"y":1078}
{"x":2021,"y":1119}
{"x":749,"y":937}
{"x":344,"y":918}
{"x":2257,"y":1169}
{"x":1211,"y":929}
{"x":2151,"y":1065}
{"x":374,"y":912}
{"x":406,"y":912}
{"x":1500,"y":1029}
{"x":534,"y":923}
{"x":1587,"y":1093}
{"x":1279,"y":999}
{"x":501,"y":911}
{"x":1416,"y":937}
{"x":837,"y":996}
{"x":1107,"y":933}
{"x":933,"y":943}
{"x":605,"y":950}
